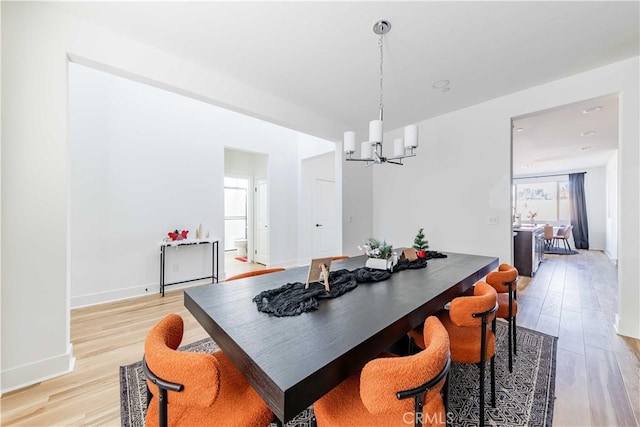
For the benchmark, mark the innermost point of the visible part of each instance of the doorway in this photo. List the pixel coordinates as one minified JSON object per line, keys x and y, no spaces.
{"x":245,"y":172}
{"x":549,"y":145}
{"x":319,"y":211}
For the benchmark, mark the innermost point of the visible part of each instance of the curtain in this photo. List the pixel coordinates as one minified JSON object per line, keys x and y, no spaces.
{"x":578,"y":208}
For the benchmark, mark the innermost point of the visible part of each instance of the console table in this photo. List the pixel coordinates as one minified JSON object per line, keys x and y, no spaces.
{"x":189,"y":242}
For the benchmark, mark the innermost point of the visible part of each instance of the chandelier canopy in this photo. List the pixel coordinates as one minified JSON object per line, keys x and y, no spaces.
{"x":371,"y":150}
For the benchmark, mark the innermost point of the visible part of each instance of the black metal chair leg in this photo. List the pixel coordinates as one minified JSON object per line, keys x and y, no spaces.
{"x":510,"y":331}
{"x":481,"y":409}
{"x":515,"y":341}
{"x":493,"y":381}
{"x":446,"y":401}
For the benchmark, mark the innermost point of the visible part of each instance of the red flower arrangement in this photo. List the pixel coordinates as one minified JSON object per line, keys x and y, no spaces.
{"x":178,"y":235}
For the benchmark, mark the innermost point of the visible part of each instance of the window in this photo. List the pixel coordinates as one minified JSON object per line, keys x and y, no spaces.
{"x":548,"y":198}
{"x":235,"y":210}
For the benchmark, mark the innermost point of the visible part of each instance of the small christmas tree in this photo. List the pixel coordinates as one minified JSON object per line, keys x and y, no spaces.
{"x":419,"y":243}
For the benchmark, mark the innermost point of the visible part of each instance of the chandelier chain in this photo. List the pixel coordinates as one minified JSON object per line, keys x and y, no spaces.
{"x":381,"y":85}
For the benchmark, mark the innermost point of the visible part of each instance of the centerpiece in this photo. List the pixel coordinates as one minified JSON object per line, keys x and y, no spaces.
{"x":379,"y":253}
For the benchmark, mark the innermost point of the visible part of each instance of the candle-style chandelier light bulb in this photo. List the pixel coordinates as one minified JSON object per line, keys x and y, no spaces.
{"x":371,"y":150}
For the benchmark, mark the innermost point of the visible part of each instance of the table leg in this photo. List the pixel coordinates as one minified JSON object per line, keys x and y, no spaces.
{"x":162,"y":253}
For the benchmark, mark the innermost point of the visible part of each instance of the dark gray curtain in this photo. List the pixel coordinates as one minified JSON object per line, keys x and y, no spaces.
{"x":578,"y":210}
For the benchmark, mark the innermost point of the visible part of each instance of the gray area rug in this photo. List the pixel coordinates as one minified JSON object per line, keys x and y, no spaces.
{"x":523,"y":398}
{"x":560,"y":251}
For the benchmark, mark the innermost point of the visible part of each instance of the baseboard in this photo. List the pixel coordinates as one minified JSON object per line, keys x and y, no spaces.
{"x":36,"y":372}
{"x":611,"y":258}
{"x":285,"y":264}
{"x":127,"y":293}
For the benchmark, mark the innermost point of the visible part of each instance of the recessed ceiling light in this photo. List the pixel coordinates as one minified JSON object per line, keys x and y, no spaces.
{"x":527,"y":166}
{"x":585,"y":148}
{"x":442,"y":85}
{"x":591,"y":132}
{"x":592,"y":110}
{"x":519,"y":129}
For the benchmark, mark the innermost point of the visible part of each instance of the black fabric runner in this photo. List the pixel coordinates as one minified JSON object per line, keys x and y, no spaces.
{"x":293,"y":299}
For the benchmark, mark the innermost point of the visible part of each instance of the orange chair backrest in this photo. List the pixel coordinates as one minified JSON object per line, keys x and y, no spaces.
{"x":338,"y":258}
{"x":505,"y":273}
{"x":382,"y":378}
{"x":462,"y":308}
{"x":254,"y":273}
{"x":198,"y":372}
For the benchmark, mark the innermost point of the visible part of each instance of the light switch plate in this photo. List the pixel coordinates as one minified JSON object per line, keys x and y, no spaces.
{"x":492,"y":220}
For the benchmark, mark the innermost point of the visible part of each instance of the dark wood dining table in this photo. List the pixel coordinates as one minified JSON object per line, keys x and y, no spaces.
{"x":293,"y":361}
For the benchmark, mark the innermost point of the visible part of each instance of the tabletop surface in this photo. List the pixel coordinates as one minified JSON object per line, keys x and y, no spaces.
{"x":292,"y":361}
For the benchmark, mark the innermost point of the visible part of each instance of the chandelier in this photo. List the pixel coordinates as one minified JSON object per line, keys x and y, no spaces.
{"x":371,"y":150}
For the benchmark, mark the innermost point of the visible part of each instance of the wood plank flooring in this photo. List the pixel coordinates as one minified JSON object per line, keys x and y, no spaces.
{"x":573,"y":297}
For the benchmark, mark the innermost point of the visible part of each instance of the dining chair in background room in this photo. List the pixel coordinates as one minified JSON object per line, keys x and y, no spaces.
{"x":565,"y":238}
{"x":548,"y":236}
{"x":380,"y":395}
{"x":505,"y":281}
{"x":559,"y":233}
{"x":254,"y":273}
{"x":194,"y":389}
{"x":467,"y":322}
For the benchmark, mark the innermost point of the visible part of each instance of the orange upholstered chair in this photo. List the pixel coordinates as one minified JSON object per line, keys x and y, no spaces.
{"x":379,"y":394}
{"x":254,"y":273}
{"x":195,"y":389}
{"x":504,"y":281}
{"x":472,"y":341}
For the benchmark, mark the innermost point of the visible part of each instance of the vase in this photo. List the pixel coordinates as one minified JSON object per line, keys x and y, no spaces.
{"x":378,"y":263}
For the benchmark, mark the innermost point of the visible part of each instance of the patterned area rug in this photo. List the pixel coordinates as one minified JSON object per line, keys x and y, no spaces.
{"x":523,"y":398}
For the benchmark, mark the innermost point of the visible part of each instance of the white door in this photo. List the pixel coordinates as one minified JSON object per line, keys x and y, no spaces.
{"x":262,"y":222}
{"x":324,"y":218}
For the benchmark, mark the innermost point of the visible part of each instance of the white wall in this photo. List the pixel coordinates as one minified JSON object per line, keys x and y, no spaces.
{"x":245,"y":163}
{"x":146,"y":161}
{"x":37,"y":41}
{"x":611,"y":216}
{"x":461,"y":176}
{"x":143,"y":162}
{"x":595,"y":189}
{"x":357,"y":205}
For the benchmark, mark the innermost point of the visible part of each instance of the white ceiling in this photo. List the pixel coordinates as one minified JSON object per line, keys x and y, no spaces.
{"x":323,"y":56}
{"x":562,"y":139}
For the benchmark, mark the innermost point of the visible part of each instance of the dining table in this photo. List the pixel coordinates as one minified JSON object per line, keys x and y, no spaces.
{"x":293,"y":361}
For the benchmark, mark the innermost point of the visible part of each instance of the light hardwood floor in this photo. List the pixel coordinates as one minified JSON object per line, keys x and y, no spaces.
{"x":573,"y":297}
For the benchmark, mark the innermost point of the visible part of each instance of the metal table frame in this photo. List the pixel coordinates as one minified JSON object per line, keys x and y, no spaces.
{"x":214,"y":261}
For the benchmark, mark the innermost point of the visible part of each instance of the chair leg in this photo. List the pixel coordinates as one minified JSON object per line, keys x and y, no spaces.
{"x":509,"y":332}
{"x":515,"y":341}
{"x":162,"y":408}
{"x":481,"y":409}
{"x":446,"y":399}
{"x":493,"y":380}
